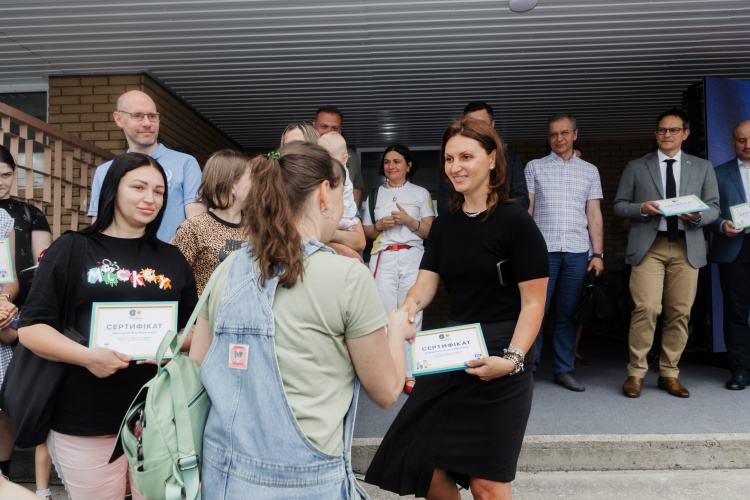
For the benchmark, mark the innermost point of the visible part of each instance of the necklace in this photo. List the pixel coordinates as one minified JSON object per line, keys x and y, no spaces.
{"x":388,"y":184}
{"x":472,"y":214}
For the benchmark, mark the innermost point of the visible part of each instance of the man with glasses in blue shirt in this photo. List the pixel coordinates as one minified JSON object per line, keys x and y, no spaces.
{"x":136,"y":115}
{"x":665,"y":252}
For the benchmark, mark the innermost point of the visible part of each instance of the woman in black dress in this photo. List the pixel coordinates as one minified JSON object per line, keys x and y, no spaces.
{"x":467,"y":427}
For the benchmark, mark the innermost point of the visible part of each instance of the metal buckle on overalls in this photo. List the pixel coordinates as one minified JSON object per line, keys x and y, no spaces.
{"x":191,"y":465}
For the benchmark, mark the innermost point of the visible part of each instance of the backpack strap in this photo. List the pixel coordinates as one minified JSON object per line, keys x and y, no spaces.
{"x":170,"y":339}
{"x":186,"y":470}
{"x":372,"y":199}
{"x":79,"y":246}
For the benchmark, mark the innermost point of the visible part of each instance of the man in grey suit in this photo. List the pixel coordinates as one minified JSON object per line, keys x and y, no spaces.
{"x":665,"y":252}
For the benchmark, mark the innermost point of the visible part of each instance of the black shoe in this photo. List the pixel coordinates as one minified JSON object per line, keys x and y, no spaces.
{"x":737,"y":382}
{"x":566,"y":380}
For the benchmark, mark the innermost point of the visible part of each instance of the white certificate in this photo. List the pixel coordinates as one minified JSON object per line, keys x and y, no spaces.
{"x":681,"y":205}
{"x":447,"y":349}
{"x":6,"y":263}
{"x":132,"y":328}
{"x":740,"y":215}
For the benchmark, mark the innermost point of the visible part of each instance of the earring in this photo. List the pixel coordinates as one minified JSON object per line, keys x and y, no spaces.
{"x":326,"y":215}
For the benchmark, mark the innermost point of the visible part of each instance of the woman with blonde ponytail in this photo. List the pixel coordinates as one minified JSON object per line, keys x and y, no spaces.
{"x":289,"y":332}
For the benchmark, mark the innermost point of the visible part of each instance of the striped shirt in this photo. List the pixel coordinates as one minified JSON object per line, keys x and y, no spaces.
{"x":561,"y":190}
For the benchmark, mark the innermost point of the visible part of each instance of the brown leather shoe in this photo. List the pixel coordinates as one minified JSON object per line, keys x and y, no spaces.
{"x":672,"y":386}
{"x":632,"y":387}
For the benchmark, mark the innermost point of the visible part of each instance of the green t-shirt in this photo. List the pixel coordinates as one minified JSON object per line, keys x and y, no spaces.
{"x":336,"y":300}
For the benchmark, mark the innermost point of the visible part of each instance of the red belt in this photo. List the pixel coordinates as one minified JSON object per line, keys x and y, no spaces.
{"x":393,"y":248}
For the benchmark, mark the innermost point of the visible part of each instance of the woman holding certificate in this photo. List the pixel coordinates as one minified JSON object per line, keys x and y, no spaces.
{"x":117,"y":260}
{"x":467,"y":427}
{"x":295,"y":329}
{"x":400,"y":222}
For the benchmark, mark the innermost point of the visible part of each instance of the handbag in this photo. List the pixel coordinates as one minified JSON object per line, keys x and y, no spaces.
{"x":162,"y":432}
{"x":599,"y":302}
{"x":29,"y":391}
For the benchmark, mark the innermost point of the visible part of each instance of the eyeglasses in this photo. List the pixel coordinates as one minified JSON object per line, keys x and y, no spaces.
{"x":672,"y":131}
{"x":138,"y":117}
{"x":564,"y":133}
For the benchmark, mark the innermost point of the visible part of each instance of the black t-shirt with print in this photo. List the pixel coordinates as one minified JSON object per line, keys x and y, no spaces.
{"x":24,"y":223}
{"x":114,"y":270}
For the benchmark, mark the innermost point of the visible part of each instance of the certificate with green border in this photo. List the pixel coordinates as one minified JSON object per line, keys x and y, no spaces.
{"x":134,"y":328}
{"x":681,"y":205}
{"x":740,"y":215}
{"x":446,"y":349}
{"x":6,"y":263}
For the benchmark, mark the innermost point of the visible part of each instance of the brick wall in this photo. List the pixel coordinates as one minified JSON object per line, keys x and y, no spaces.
{"x":83,"y":106}
{"x":610,"y":157}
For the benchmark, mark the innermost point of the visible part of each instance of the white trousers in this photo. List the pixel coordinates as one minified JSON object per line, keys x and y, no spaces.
{"x":396,"y":274}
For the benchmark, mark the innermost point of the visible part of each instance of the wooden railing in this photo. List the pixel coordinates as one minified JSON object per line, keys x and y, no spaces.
{"x":63,"y":179}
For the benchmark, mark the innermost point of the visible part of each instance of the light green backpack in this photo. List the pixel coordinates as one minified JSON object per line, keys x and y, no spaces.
{"x":169,"y":413}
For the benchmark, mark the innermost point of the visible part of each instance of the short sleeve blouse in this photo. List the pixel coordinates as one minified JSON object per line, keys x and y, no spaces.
{"x":465,"y":251}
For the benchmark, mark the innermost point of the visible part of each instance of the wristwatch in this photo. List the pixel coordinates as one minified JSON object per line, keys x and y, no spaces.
{"x":598,"y":255}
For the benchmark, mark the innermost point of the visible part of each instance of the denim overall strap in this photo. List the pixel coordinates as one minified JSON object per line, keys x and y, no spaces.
{"x":354,"y":489}
{"x":253,"y":445}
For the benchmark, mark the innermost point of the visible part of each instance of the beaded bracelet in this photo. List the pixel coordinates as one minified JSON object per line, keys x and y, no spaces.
{"x":514,"y":356}
{"x":518,"y":366}
{"x":513,"y":350}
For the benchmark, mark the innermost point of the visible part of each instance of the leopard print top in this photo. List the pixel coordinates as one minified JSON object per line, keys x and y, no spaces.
{"x":206,"y":240}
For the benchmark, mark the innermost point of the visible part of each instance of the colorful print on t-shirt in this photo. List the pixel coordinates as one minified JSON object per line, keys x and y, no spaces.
{"x":111,"y":274}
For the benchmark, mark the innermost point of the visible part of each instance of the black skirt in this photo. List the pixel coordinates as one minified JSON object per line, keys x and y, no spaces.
{"x":457,"y":422}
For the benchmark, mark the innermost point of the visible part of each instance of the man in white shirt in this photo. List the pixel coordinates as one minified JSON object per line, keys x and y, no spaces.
{"x":665,"y":252}
{"x":330,"y":119}
{"x":349,"y":237}
{"x":730,"y":249}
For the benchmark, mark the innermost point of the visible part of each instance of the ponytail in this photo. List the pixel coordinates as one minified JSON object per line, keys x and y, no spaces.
{"x":282,"y":184}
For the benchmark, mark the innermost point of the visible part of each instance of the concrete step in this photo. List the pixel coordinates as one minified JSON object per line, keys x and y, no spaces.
{"x":600,"y":452}
{"x":731,"y":484}
{"x":573,"y":453}
{"x":22,"y":467}
{"x":624,"y":485}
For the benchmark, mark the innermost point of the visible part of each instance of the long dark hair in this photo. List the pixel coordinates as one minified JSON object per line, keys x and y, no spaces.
{"x":120,"y":166}
{"x":6,"y":157}
{"x":488,"y":138}
{"x":278,"y":195}
{"x":408,"y":158}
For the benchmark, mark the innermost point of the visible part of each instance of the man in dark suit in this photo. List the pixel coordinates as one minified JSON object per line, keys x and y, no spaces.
{"x":480,"y":110}
{"x":665,"y":252}
{"x":730,"y":249}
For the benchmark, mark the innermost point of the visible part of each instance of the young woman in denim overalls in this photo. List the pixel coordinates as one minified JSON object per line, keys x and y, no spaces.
{"x":289,"y":331}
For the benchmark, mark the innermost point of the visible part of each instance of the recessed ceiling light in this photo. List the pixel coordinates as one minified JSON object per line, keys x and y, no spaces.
{"x":522,"y":5}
